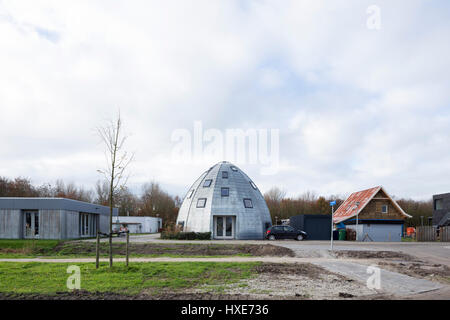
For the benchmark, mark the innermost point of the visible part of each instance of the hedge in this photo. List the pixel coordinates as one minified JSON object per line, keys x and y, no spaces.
{"x":186,"y":235}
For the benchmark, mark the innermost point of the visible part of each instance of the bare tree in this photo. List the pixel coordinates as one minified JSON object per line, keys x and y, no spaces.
{"x":117,"y":161}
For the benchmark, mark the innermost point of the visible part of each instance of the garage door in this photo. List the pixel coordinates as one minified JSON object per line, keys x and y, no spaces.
{"x":382,"y":232}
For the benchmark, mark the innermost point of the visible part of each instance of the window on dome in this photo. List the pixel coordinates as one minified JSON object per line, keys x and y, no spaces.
{"x":201,"y":203}
{"x":207,"y":183}
{"x":224,"y":174}
{"x":248,"y":203}
{"x":225,"y":192}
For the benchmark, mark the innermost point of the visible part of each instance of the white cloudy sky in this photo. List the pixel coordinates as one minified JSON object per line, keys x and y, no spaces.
{"x":355,"y":107}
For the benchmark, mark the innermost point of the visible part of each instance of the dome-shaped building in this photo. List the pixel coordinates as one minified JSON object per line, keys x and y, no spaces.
{"x":227,"y":203}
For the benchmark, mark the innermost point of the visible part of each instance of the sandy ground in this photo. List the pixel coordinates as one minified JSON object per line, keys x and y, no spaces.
{"x":297,"y":281}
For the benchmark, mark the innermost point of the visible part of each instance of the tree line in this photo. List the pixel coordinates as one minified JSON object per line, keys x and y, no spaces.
{"x":153,"y":201}
{"x":282,"y":207}
{"x":156,"y":202}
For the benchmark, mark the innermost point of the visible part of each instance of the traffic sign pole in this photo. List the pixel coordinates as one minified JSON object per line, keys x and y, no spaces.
{"x":332,"y":204}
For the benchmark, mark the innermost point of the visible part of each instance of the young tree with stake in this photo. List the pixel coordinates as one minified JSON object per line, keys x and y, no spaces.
{"x":117,"y":161}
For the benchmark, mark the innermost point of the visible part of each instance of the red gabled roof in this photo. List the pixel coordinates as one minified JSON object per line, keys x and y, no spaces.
{"x":357,"y":202}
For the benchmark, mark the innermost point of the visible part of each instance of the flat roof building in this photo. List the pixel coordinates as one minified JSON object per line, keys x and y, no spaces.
{"x":441,"y":209}
{"x":51,"y":218}
{"x":138,"y":224}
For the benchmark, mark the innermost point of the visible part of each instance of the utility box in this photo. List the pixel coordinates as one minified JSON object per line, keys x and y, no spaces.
{"x":317,"y":226}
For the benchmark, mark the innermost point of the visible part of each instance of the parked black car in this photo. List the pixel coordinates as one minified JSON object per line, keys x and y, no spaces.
{"x":285,"y":232}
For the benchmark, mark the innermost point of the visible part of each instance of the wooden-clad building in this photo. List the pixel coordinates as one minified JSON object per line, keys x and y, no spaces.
{"x":373,"y":214}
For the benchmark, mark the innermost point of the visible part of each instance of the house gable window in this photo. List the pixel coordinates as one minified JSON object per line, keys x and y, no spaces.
{"x":224,"y":174}
{"x":384,"y":208}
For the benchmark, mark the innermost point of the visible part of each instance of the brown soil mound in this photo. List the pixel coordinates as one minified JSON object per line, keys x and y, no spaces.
{"x":79,"y":248}
{"x":176,"y":249}
{"x":303,"y":269}
{"x":373,"y":255}
{"x":439,"y":272}
{"x":86,"y":295}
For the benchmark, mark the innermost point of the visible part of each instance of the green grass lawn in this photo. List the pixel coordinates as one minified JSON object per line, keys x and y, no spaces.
{"x":23,"y":244}
{"x":26,"y":248}
{"x":49,"y":278}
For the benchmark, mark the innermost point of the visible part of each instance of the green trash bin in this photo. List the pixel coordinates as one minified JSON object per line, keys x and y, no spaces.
{"x":342,"y":234}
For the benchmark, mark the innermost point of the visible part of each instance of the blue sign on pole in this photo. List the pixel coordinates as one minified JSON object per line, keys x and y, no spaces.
{"x":332,"y":203}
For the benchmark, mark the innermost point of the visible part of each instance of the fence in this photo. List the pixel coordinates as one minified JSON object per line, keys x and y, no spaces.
{"x":426,"y":233}
{"x":444,"y":234}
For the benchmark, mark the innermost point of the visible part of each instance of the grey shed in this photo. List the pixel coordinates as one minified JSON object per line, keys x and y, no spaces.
{"x":227,"y":203}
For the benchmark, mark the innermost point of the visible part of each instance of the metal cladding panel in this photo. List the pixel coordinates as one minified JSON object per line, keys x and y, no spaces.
{"x":71,"y":224}
{"x":199,"y":219}
{"x":188,"y":200}
{"x":54,"y":204}
{"x":297,"y":222}
{"x":250,"y":222}
{"x":318,"y":227}
{"x":10,"y":224}
{"x":382,"y":232}
{"x":104,"y":224}
{"x":50,"y":224}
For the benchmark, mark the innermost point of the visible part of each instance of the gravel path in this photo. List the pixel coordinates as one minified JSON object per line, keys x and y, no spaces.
{"x":168,"y":259}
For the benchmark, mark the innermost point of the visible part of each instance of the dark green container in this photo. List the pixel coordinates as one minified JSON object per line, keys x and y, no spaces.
{"x":342,"y":233}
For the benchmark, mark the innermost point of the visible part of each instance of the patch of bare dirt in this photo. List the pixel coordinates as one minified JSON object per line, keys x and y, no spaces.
{"x":436,"y":272}
{"x":299,"y":281}
{"x":177,"y":249}
{"x":355,"y":254}
{"x":304,"y":269}
{"x":86,"y":295}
